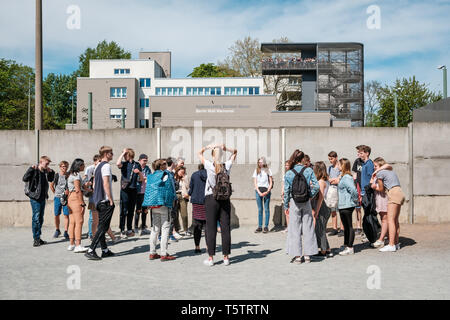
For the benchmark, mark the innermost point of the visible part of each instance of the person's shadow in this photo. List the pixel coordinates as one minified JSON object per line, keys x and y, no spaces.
{"x":404,"y":242}
{"x":191,"y":252}
{"x":251,"y":254}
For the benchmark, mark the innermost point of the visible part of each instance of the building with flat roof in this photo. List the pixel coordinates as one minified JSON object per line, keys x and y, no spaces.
{"x":324,"y":76}
{"x":143,"y":93}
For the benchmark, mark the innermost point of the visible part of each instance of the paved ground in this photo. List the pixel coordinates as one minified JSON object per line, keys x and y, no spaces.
{"x":259,"y":269}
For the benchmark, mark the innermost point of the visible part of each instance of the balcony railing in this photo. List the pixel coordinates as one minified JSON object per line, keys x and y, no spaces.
{"x":289,"y":65}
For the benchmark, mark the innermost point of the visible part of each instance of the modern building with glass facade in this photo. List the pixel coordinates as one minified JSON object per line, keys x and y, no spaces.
{"x":143,"y":91}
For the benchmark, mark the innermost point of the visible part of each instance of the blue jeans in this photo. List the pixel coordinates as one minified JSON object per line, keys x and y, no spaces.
{"x":259,"y":202}
{"x":90,"y":224}
{"x":38,"y":209}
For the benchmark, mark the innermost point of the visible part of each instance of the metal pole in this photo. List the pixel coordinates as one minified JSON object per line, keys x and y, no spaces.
{"x":396,"y":110}
{"x":123,"y":118}
{"x":90,"y":111}
{"x":38,"y":62}
{"x":444,"y":72}
{"x":29,"y":102}
{"x":72,"y":111}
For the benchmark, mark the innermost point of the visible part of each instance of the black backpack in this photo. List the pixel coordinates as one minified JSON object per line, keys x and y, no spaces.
{"x":300,"y":187}
{"x":222,"y":190}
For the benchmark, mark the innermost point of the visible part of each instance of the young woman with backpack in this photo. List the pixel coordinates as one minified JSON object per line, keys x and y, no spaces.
{"x":300,"y":185}
{"x":348,"y":200}
{"x":217,"y":200}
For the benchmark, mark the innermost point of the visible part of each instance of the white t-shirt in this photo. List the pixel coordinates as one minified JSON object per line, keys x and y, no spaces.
{"x":89,"y":172}
{"x":106,"y":171}
{"x":211,"y":172}
{"x":262,"y":179}
{"x":71,"y":181}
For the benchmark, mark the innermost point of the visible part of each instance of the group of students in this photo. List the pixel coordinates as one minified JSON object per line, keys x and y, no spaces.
{"x":311,"y":194}
{"x":338,"y":188}
{"x":163,"y":192}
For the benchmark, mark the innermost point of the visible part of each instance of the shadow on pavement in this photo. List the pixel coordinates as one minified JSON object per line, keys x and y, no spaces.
{"x":250,"y":255}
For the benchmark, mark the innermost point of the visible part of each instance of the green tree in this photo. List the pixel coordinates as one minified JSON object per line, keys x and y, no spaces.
{"x":14,"y":87}
{"x":212,"y":71}
{"x":57,"y":91}
{"x":411,"y":94}
{"x":104,"y":50}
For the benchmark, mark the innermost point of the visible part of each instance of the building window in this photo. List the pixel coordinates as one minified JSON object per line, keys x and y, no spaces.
{"x":121,"y":71}
{"x":171,"y":91}
{"x":203,"y":91}
{"x":116,"y":113}
{"x":118,"y":92}
{"x":144,"y":103}
{"x":144,"y":82}
{"x":143,"y":123}
{"x":231,"y":91}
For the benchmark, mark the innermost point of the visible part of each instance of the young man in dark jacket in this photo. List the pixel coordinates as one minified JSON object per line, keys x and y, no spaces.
{"x":37,"y":179}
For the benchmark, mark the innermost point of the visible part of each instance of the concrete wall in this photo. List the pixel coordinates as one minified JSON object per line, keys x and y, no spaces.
{"x":430,"y":154}
{"x":431,"y":157}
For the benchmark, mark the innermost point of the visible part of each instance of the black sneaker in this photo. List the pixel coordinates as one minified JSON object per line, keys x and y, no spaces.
{"x":333,"y":232}
{"x":41,"y":242}
{"x":341,"y":233}
{"x":92,"y":255}
{"x":107,"y":254}
{"x":198,"y":251}
{"x":36,"y":243}
{"x":57,"y":233}
{"x":266,"y":230}
{"x":258,"y":230}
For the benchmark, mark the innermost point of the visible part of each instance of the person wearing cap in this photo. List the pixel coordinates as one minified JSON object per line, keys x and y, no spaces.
{"x":140,"y":186}
{"x":37,"y":180}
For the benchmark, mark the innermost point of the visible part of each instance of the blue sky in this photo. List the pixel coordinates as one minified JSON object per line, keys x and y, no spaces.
{"x":413,"y":39}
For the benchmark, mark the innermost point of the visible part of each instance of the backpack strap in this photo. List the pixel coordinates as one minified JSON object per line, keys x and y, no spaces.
{"x":56,"y":178}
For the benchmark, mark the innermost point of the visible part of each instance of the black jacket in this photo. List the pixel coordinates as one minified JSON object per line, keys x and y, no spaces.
{"x":197,"y":187}
{"x":36,"y":183}
{"x":371,"y":226}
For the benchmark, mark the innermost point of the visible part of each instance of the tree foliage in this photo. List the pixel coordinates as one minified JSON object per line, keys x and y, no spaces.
{"x":104,"y":50}
{"x":371,"y":105}
{"x":210,"y":70}
{"x":14,"y":86}
{"x":411,"y":94}
{"x":244,"y":57}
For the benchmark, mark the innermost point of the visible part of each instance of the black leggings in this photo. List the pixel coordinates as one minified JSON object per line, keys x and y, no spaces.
{"x":140,"y":211}
{"x":198,"y":225}
{"x":128,"y":199}
{"x":217,"y":211}
{"x":346,"y":218}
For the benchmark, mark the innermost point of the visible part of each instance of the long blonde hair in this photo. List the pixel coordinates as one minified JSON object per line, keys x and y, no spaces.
{"x":264,"y":167}
{"x":218,"y":165}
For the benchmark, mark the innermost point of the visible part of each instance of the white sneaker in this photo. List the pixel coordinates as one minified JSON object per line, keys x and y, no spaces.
{"x":377,"y":244}
{"x":209,"y":263}
{"x":388,"y":248}
{"x":226,"y":262}
{"x":79,"y":249}
{"x":346,"y":252}
{"x":71,"y":247}
{"x":307,"y":259}
{"x":177,"y":235}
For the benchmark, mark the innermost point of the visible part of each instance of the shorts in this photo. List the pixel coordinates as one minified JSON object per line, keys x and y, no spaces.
{"x":58,"y":206}
{"x":396,"y":195}
{"x":381,"y":201}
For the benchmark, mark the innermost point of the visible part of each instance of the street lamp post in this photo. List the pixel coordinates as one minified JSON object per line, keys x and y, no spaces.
{"x":444,"y":75}
{"x":395,"y":109}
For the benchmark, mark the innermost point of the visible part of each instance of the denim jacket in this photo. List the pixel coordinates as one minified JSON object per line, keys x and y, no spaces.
{"x":289,"y":177}
{"x":348,"y":195}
